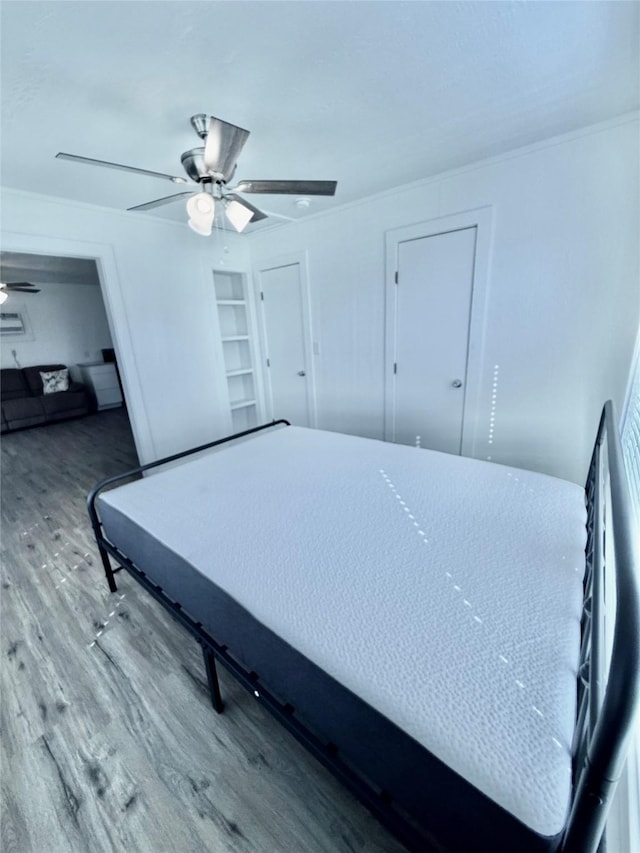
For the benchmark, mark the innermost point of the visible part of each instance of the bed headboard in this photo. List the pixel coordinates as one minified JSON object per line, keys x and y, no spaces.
{"x":607,"y":694}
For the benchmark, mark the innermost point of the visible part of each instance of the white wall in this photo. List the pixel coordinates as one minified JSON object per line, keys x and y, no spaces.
{"x":562,"y":317}
{"x":67,"y":324}
{"x":157,"y":285}
{"x":563,"y":301}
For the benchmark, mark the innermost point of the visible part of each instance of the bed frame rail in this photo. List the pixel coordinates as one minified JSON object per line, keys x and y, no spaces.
{"x":134,"y":472}
{"x":327,"y":753}
{"x":607,"y":696}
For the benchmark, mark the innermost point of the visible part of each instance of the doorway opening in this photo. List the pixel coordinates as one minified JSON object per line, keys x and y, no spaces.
{"x":59,"y":324}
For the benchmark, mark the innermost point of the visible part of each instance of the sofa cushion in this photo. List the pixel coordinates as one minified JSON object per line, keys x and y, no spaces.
{"x":67,"y":401}
{"x":55,"y":381}
{"x":23,"y":412}
{"x":13,"y":384}
{"x":34,"y":380}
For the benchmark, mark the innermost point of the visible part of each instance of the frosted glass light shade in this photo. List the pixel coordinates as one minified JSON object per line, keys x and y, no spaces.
{"x":3,"y":296}
{"x":199,"y":205}
{"x":201,"y":209}
{"x":201,"y":228}
{"x":238,"y":215}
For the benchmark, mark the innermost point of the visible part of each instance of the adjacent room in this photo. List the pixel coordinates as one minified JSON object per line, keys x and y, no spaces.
{"x":54,"y":320}
{"x":411,"y":230}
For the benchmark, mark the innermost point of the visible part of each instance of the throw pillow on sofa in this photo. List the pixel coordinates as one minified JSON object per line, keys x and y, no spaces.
{"x":54,"y":381}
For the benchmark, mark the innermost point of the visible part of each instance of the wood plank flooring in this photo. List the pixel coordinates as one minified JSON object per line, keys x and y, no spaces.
{"x":109,"y":741}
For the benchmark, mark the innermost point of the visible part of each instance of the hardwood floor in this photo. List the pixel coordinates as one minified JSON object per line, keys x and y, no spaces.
{"x":109,"y":741}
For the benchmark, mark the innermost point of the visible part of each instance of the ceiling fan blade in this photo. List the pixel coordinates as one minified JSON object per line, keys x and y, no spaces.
{"x":257,"y":214}
{"x":148,"y":205}
{"x":91,"y":162}
{"x":11,"y":284}
{"x":21,"y":287}
{"x":288,"y":187}
{"x":281,"y":216}
{"x":222,"y":147}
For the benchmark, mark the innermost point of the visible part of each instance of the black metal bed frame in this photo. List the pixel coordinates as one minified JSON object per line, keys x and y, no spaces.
{"x":606,"y":702}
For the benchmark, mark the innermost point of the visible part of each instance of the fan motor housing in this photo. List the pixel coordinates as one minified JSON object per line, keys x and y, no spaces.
{"x":193,"y":164}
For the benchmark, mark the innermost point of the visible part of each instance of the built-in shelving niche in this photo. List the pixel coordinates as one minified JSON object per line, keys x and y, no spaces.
{"x":237,"y":348}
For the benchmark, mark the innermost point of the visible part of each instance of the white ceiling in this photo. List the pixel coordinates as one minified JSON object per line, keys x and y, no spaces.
{"x":372,"y":94}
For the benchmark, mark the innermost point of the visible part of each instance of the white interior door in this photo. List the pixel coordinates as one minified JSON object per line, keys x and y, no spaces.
{"x":433,"y":306}
{"x":284,"y":330}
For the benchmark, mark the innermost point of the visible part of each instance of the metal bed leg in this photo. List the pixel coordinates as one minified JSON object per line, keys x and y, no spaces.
{"x":212,"y":678}
{"x":111,"y":578}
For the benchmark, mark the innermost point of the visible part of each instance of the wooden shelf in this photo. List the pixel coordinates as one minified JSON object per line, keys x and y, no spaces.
{"x":241,"y":372}
{"x":237,"y":350}
{"x":242,"y":404}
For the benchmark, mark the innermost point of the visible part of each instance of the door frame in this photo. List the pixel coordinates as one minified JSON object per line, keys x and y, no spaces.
{"x":302,"y":259}
{"x":111,"y":288}
{"x":481,"y":219}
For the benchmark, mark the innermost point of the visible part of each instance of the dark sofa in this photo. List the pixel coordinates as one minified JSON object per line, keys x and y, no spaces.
{"x":24,"y":404}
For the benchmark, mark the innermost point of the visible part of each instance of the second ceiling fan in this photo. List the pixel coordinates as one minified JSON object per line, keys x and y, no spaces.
{"x":16,"y":287}
{"x":212,"y":166}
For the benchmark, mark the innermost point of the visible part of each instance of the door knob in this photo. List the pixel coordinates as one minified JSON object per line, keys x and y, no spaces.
{"x":457,"y":383}
{"x":302,"y":373}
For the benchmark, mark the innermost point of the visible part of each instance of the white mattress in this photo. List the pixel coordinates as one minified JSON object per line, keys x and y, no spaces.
{"x":446,"y":592}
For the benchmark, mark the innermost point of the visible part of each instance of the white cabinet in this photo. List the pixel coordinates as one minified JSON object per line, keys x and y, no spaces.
{"x":101,"y":380}
{"x":237,"y":348}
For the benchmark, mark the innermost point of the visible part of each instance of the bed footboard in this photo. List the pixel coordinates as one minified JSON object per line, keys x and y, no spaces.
{"x":607,"y":696}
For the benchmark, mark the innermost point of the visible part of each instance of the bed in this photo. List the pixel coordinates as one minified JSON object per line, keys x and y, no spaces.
{"x":430,"y":627}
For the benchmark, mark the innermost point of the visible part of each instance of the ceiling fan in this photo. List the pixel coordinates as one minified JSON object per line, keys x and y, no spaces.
{"x":212,"y":166}
{"x":16,"y":286}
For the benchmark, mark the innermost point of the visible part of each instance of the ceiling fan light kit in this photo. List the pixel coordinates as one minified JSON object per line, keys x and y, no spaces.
{"x":238,"y":214}
{"x":201,"y":209}
{"x":200,"y":204}
{"x":200,"y":228}
{"x":214,"y":165}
